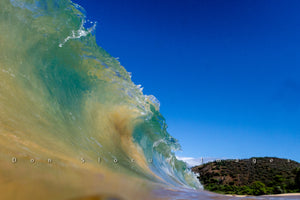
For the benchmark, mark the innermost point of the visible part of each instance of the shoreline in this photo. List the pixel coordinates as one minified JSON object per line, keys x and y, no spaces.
{"x":284,"y":194}
{"x":269,"y":195}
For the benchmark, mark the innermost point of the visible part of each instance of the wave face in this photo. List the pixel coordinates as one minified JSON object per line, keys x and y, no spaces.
{"x":63,"y":97}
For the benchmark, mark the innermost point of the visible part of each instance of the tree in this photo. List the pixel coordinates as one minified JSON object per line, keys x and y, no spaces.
{"x":246,"y":190}
{"x":277,"y":190}
{"x":278,"y":179}
{"x":258,"y":188}
{"x":297,"y":179}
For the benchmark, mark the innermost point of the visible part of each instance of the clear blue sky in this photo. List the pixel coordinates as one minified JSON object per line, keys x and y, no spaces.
{"x":227,"y":73}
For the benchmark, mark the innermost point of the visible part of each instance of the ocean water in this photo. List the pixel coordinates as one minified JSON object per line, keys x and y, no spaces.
{"x":66,"y":104}
{"x":72,"y":123}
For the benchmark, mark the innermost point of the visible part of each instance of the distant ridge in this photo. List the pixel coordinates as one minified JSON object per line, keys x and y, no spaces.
{"x":191,"y":162}
{"x":254,"y":176}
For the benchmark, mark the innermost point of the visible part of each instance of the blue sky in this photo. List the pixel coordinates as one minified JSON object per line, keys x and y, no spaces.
{"x":226,"y":72}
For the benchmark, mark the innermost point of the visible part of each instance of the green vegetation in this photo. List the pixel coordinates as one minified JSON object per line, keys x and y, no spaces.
{"x":254,"y":176}
{"x":297,"y":179}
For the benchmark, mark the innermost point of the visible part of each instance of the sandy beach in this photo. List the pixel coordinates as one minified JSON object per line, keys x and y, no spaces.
{"x":294,"y":195}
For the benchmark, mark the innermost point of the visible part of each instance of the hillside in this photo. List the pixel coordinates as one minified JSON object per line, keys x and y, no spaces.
{"x":254,"y":176}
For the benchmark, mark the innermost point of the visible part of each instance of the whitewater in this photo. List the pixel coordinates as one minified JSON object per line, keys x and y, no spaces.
{"x":73,"y":125}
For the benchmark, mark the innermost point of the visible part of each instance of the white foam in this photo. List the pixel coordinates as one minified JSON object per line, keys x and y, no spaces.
{"x":81,"y":32}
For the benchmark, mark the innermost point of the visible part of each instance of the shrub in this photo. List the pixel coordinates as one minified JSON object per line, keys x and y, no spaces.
{"x":258,"y":188}
{"x":277,"y":190}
